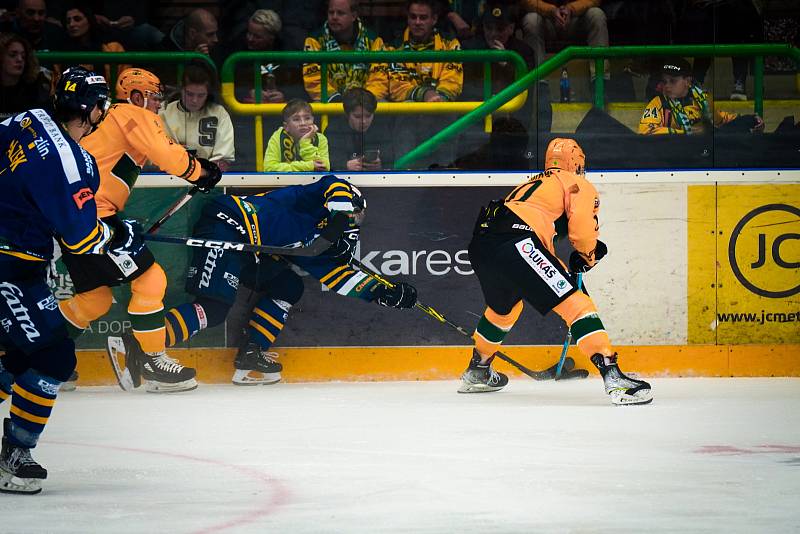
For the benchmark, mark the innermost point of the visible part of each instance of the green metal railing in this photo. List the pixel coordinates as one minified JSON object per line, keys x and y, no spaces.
{"x":323,"y":58}
{"x":757,"y":51}
{"x":123,"y":58}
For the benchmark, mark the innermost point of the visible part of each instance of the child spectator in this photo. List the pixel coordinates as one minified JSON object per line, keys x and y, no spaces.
{"x":197,"y":122}
{"x":298,"y":145}
{"x":362,"y":141}
{"x":22,"y":86}
{"x":685,"y":108}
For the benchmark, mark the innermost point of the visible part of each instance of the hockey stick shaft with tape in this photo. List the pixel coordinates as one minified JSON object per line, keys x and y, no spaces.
{"x":568,"y":340}
{"x":173,"y":209}
{"x":316,"y":247}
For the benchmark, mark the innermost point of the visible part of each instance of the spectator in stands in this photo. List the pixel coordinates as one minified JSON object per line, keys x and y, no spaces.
{"x":298,"y":145}
{"x":126,"y":21}
{"x":197,"y":32}
{"x":361,"y":140}
{"x":342,"y":31}
{"x":22,"y":85}
{"x":84,"y":35}
{"x":420,"y":82}
{"x":30,"y":23}
{"x":710,"y":22}
{"x":573,"y":20}
{"x":277,"y":80}
{"x":685,"y":108}
{"x":496,"y":32}
{"x":197,"y":122}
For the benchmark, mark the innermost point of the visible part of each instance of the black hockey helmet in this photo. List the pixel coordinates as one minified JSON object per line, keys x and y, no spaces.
{"x":77,"y":92}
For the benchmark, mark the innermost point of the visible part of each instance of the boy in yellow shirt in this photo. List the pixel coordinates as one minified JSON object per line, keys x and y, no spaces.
{"x":298,"y":145}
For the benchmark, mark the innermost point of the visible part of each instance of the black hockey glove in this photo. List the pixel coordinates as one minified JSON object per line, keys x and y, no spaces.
{"x":127,"y":237}
{"x":400,"y":296}
{"x":210,"y":177}
{"x":337,"y":224}
{"x":578,"y":263}
{"x":345,"y":246}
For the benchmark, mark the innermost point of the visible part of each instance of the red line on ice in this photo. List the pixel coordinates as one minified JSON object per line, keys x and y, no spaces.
{"x":280,"y":493}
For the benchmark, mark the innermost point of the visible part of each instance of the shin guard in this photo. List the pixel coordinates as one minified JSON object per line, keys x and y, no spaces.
{"x":493,"y":328}
{"x":146,"y":309}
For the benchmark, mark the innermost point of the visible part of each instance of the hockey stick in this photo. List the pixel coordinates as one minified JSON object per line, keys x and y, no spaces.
{"x":173,"y":209}
{"x":316,"y":247}
{"x":547,"y":374}
{"x":568,"y":340}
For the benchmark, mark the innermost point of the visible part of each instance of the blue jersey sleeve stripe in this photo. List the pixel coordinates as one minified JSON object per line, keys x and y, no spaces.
{"x":67,"y":157}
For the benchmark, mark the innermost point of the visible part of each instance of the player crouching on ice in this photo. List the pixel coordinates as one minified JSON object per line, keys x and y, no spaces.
{"x":285,"y":217}
{"x":513,"y":254}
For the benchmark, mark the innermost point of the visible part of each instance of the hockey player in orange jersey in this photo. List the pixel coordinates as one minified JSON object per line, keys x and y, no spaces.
{"x":132,"y":134}
{"x":513,"y":254}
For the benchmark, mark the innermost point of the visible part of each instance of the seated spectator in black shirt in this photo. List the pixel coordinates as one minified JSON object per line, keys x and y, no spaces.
{"x":22,"y":86}
{"x":197,"y":32}
{"x":496,"y":32}
{"x":359,"y":141}
{"x":29,"y":22}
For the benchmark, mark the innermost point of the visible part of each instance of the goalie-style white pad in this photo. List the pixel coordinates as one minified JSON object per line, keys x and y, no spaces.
{"x":115,"y":348}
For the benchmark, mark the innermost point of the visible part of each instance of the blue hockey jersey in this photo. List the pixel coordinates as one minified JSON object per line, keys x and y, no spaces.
{"x":290,"y":216}
{"x":48,"y":183}
{"x":294,"y":216}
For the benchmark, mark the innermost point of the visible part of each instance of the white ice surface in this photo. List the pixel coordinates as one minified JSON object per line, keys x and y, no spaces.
{"x":709,"y":455}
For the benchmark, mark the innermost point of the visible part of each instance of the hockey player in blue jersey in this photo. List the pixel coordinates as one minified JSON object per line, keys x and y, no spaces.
{"x":48,"y":183}
{"x":290,"y":216}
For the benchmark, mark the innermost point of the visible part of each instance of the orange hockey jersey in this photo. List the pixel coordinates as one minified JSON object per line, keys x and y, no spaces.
{"x":122,"y":144}
{"x":556,"y":198}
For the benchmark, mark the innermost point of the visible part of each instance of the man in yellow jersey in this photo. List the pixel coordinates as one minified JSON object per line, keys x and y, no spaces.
{"x":131,"y":134}
{"x":513,"y":254}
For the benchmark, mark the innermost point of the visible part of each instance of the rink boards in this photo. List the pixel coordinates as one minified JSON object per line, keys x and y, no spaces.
{"x":702,"y":278}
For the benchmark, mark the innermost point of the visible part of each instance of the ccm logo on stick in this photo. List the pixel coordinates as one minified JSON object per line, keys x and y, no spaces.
{"x":222,"y":245}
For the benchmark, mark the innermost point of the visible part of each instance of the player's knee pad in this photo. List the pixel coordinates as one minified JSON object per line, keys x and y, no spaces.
{"x":151,"y":285}
{"x":56,"y":359}
{"x":84,"y":308}
{"x":215,"y":310}
{"x":287,"y":286}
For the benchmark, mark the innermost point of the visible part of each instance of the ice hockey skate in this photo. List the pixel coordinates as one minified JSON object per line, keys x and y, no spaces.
{"x":480,"y":377}
{"x":19,"y":472}
{"x":70,"y":384}
{"x":160,"y":373}
{"x":622,"y":389}
{"x":255,"y":366}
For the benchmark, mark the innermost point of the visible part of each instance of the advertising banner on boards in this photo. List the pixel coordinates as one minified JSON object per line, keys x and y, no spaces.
{"x":744,"y":264}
